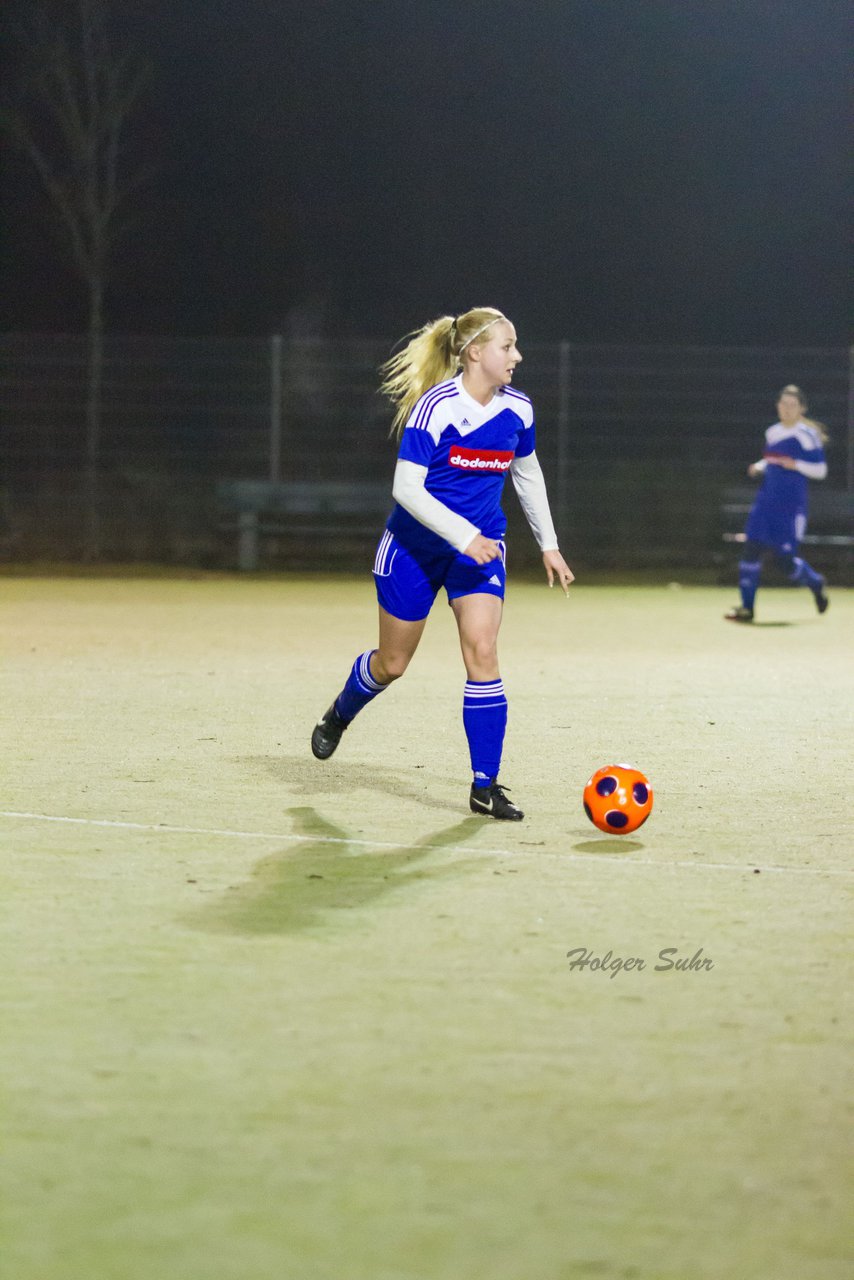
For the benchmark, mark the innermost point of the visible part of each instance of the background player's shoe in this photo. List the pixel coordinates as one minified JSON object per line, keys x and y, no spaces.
{"x":739,"y":614}
{"x":493,"y":803}
{"x":327,"y":733}
{"x":821,"y":598}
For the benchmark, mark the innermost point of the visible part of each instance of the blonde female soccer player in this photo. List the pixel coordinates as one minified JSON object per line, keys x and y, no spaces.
{"x":462,"y":426}
{"x":794,"y":455}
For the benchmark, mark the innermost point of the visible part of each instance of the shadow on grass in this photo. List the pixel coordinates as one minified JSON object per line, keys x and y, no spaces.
{"x":299,"y":888}
{"x":306,"y":777}
{"x":783,"y":622}
{"x":613,"y":845}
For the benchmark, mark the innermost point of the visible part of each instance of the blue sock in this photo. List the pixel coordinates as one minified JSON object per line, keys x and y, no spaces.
{"x":748,"y":581}
{"x":804,"y":575}
{"x":485,"y":721}
{"x":360,"y":689}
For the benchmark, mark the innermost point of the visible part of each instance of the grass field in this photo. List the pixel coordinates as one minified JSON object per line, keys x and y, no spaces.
{"x":267,"y":1019}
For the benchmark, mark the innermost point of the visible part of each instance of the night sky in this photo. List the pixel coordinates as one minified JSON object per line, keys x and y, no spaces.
{"x":633,"y":171}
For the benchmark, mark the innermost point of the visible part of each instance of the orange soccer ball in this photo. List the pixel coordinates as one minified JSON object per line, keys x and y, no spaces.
{"x":618,"y":799}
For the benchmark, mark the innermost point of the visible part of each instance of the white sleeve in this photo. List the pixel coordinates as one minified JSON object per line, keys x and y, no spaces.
{"x":812,"y":470}
{"x":530,"y":485}
{"x":408,"y":490}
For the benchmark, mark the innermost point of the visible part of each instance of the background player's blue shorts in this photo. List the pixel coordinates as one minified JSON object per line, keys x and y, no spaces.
{"x":407,"y":584}
{"x":782,"y":530}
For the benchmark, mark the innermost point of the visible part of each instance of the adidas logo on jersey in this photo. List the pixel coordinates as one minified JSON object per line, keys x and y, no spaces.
{"x":465,"y":423}
{"x":480,"y":459}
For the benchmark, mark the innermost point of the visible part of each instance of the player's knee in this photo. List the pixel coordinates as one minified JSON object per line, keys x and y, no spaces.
{"x":386,"y":667}
{"x":482,"y":653}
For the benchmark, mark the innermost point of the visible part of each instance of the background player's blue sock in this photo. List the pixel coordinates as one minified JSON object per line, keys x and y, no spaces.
{"x":804,"y":575}
{"x":485,"y":721}
{"x":748,"y":581}
{"x":360,"y":689}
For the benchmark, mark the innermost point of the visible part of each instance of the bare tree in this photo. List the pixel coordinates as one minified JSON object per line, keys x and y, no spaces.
{"x":69,"y":113}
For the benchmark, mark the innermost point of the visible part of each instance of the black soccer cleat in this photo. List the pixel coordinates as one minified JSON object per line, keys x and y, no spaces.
{"x":739,"y":614}
{"x":327,"y":733}
{"x":493,"y":803}
{"x":821,"y":598}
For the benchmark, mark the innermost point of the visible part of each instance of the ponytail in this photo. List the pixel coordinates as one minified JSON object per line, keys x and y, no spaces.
{"x":427,"y":358}
{"x":819,"y":428}
{"x":432,"y":354}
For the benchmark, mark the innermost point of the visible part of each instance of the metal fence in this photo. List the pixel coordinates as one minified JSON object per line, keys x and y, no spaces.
{"x":637,"y":443}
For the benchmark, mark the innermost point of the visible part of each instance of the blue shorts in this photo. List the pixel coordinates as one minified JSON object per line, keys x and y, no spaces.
{"x":408,"y":584}
{"x":782,"y":530}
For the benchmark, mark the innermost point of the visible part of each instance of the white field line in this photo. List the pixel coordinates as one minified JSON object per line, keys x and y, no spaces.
{"x":288,"y":836}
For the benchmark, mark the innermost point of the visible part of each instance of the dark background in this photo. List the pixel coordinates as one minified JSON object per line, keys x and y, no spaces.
{"x":643,"y":171}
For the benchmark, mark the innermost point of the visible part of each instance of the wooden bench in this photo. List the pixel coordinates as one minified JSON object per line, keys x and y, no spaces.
{"x":311,"y":508}
{"x":830,"y":522}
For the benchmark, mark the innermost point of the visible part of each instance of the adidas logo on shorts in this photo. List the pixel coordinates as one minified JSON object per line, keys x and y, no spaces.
{"x":495,"y":581}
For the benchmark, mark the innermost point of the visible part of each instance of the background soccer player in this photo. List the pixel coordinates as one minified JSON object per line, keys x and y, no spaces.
{"x":459,"y":436}
{"x":794,"y":454}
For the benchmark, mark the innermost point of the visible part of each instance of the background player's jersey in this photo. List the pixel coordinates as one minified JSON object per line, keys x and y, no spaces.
{"x":785,"y":490}
{"x":467,"y":449}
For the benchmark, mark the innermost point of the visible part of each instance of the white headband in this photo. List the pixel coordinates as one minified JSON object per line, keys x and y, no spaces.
{"x":483,"y":328}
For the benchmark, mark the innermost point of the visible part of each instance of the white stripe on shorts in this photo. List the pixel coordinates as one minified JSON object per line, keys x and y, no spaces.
{"x":386,"y":551}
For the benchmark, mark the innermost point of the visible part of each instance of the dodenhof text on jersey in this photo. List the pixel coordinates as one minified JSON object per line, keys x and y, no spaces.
{"x":480,"y":459}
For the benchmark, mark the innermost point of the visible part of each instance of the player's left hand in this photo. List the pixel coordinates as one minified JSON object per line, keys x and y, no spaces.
{"x":556,"y":567}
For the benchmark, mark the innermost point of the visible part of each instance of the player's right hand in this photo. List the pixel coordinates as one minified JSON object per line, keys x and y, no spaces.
{"x":482,"y":550}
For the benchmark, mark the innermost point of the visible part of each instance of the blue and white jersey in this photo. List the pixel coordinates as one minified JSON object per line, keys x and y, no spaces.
{"x":785,"y":490}
{"x":467,"y":449}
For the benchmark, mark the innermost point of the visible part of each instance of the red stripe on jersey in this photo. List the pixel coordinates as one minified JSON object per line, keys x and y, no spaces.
{"x":480,"y":459}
